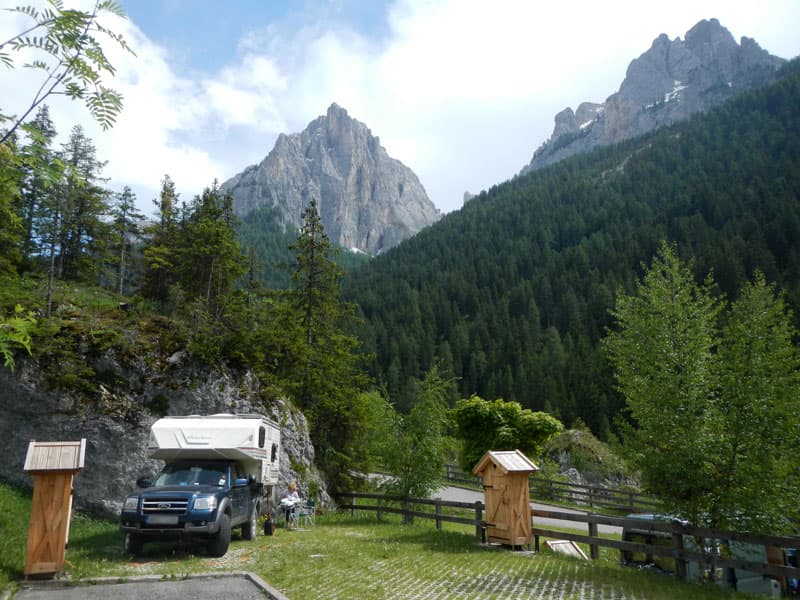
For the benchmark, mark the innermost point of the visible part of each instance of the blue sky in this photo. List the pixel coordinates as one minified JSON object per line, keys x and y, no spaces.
{"x":461,"y":91}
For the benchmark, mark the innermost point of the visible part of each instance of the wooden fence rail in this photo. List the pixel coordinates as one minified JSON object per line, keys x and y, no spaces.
{"x":561,"y":491}
{"x":676,"y":532}
{"x":408,"y":513}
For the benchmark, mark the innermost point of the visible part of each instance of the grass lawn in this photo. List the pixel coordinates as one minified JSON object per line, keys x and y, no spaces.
{"x":353,"y":557}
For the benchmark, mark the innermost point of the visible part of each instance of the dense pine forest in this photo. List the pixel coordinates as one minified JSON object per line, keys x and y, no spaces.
{"x":511,"y":294}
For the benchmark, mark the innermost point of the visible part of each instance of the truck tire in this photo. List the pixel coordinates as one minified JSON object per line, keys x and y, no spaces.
{"x":250,"y":527}
{"x":132,"y":544}
{"x":218,"y":545}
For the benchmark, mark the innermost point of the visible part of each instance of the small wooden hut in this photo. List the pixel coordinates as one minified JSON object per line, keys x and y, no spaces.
{"x":52,"y":465}
{"x":506,"y":495}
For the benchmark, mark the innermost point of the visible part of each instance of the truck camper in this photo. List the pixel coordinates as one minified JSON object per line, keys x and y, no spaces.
{"x":220,"y":472}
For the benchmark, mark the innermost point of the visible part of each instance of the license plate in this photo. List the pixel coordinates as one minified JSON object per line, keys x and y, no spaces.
{"x":163,"y":519}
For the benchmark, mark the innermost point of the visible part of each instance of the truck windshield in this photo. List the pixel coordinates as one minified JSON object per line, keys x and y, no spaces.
{"x":191,"y":474}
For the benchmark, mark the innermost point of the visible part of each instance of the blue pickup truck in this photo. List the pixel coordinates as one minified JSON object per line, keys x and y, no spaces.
{"x":219,"y":474}
{"x":193,"y":499}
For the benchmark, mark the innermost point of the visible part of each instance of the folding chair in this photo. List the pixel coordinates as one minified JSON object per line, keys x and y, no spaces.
{"x":306,"y":512}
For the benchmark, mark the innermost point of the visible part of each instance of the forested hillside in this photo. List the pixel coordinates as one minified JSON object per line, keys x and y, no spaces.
{"x":266,"y":236}
{"x":512,"y":293}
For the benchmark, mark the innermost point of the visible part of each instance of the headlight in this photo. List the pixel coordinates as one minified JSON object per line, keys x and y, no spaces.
{"x":205,"y":503}
{"x":131,"y":502}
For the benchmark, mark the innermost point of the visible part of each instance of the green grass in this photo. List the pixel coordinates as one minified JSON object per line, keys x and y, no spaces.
{"x":346,"y":557}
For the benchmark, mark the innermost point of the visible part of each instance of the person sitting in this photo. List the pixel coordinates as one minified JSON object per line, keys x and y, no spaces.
{"x":289,"y":502}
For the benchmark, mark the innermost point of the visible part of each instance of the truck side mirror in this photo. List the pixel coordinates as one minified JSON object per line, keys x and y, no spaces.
{"x":251,"y":478}
{"x":144,"y":482}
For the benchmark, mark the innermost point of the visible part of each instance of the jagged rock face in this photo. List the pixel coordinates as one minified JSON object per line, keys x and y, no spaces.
{"x":668,"y":83}
{"x":367,"y":200}
{"x":117,"y":432}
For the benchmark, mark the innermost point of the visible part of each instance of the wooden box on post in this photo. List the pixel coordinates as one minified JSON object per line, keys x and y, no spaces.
{"x":506,"y":495}
{"x":52,"y":466}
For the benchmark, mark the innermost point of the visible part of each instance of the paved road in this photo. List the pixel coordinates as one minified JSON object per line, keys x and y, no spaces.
{"x":231,"y":586}
{"x":456,"y":494}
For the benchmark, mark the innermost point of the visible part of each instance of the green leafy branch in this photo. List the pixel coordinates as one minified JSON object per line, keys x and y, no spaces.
{"x":73,"y":59}
{"x":15,"y":332}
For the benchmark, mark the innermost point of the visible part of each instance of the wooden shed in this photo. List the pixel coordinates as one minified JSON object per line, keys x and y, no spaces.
{"x":506,"y":495}
{"x":52,"y":465}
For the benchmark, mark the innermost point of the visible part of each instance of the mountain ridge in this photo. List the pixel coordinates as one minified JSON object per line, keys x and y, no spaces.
{"x":368,"y":201}
{"x":668,"y":83}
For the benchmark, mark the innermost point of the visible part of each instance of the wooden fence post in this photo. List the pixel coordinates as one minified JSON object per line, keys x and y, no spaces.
{"x":407,"y":519}
{"x":438,"y":513}
{"x":680,"y":562}
{"x":380,"y":508}
{"x":594,"y":549}
{"x":352,"y":504}
{"x":591,"y":490}
{"x":480,"y":531}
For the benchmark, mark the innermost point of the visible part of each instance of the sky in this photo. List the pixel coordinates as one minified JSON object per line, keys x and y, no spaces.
{"x":460,"y":91}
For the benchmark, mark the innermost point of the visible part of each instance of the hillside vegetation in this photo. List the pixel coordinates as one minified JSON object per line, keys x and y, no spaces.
{"x":512,"y":293}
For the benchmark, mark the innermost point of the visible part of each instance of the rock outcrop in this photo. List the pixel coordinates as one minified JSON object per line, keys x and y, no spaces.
{"x":117,"y":427}
{"x":367,"y":200}
{"x":668,"y":83}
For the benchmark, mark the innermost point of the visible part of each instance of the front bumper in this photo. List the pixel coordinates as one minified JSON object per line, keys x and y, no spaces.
{"x":186,"y":525}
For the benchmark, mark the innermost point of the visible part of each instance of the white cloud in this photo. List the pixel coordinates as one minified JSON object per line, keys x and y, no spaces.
{"x":462,"y":91}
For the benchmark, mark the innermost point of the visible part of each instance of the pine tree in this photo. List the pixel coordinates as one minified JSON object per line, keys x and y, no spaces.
{"x":127,"y":226}
{"x":325,"y":375}
{"x":160,"y":252}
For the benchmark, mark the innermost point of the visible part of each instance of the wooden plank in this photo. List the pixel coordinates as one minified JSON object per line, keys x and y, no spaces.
{"x":566,"y":547}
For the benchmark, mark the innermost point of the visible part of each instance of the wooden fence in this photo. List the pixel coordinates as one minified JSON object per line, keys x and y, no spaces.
{"x":406,"y":509}
{"x":706,"y":554}
{"x":593,"y":496}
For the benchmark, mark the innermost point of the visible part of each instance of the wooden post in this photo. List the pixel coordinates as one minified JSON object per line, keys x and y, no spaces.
{"x":677,"y":544}
{"x":591,"y":490}
{"x":594,"y":549}
{"x":352,"y":504}
{"x":380,"y":508}
{"x":480,"y":532}
{"x":438,"y":513}
{"x":406,"y":512}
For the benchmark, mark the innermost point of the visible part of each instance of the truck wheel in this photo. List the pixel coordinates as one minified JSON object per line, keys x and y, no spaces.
{"x":132,"y":544}
{"x":250,"y":527}
{"x":218,"y":545}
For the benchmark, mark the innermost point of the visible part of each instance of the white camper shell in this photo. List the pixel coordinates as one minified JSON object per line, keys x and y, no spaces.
{"x":250,"y":439}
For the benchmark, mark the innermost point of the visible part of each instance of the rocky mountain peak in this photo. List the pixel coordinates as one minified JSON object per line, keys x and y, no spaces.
{"x":367,"y":200}
{"x":672,"y":80}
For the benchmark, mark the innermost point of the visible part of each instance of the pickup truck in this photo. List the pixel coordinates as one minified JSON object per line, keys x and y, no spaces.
{"x":200,"y":499}
{"x":220,"y":474}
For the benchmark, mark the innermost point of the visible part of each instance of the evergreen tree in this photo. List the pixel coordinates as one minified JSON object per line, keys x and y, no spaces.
{"x":83,"y":208}
{"x":325,"y":374}
{"x":127,"y":226}
{"x":210,"y":260}
{"x":160,"y":252}
{"x":42,"y":172}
